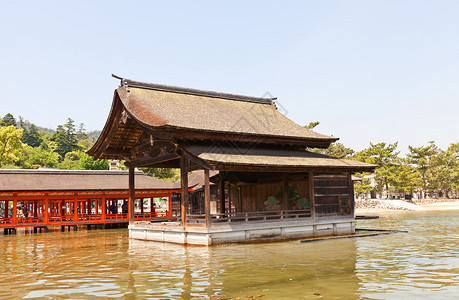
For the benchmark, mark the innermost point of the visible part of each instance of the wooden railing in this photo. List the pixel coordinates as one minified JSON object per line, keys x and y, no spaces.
{"x":251,"y":216}
{"x":69,"y":219}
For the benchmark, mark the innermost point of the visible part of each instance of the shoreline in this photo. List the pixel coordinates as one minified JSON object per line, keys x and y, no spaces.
{"x":378,"y":205}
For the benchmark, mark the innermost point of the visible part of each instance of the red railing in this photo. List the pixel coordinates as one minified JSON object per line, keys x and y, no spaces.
{"x":81,"y":219}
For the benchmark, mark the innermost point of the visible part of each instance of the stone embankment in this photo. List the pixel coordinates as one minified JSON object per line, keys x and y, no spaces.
{"x":376,"y":204}
{"x":415,"y":204}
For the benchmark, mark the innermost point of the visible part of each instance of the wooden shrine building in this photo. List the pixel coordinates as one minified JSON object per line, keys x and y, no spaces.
{"x":41,"y":198}
{"x":268,"y":186}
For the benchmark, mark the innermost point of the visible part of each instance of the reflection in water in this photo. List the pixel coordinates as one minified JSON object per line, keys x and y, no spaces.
{"x":105,"y":264}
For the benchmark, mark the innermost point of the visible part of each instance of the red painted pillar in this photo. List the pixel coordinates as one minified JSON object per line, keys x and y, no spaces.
{"x":170,"y":206}
{"x":75,"y":209}
{"x":15,"y":213}
{"x":46,"y":209}
{"x":6,"y":208}
{"x":103,"y":207}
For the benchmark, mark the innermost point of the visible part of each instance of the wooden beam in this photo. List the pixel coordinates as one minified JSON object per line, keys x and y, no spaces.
{"x":196,"y":162}
{"x":207,"y":197}
{"x":274,"y":169}
{"x":131,"y":195}
{"x":222,"y":192}
{"x":184,"y":188}
{"x":152,"y":160}
{"x":311,"y":196}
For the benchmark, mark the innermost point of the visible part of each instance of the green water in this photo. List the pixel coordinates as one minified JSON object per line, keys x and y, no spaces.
{"x":422,"y":264}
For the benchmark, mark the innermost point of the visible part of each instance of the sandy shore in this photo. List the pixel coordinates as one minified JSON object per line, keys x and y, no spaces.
{"x":450,"y":205}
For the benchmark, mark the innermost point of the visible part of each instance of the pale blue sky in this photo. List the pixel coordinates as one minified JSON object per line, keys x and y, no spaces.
{"x":369,"y":71}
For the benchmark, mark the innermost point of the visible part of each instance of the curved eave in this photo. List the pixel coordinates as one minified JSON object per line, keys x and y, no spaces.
{"x":97,"y":149}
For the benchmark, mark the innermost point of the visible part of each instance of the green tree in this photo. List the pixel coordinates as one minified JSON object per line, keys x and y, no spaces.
{"x":71,"y":161}
{"x":8,"y":120}
{"x":89,"y":163}
{"x":65,"y":138}
{"x":168,"y":174}
{"x":32,"y":136}
{"x":81,"y":132}
{"x":336,"y":150}
{"x":35,"y":157}
{"x":10,"y":141}
{"x":312,"y":125}
{"x":406,"y":179}
{"x":386,"y":158}
{"x":421,"y":157}
{"x":443,"y":174}
{"x":362,"y":187}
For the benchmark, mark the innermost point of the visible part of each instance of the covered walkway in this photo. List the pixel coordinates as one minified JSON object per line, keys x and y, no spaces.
{"x":41,"y":198}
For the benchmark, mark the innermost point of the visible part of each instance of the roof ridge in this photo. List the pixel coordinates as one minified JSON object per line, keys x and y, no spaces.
{"x":182,"y":90}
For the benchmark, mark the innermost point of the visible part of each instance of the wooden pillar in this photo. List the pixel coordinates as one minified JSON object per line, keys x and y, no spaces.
{"x":285,"y":197}
{"x":89,"y":205}
{"x":151,"y":204}
{"x":104,"y":204}
{"x":35,"y":208}
{"x":6,"y":208}
{"x":207,"y":198}
{"x":46,"y":209}
{"x":311,"y":195}
{"x":351,"y":194}
{"x":229,"y":197}
{"x":141,"y":205}
{"x":184,"y":188}
{"x":62,"y":209}
{"x":15,"y":209}
{"x":170,"y":206}
{"x":131,"y":195}
{"x":75,"y":209}
{"x":222,"y":192}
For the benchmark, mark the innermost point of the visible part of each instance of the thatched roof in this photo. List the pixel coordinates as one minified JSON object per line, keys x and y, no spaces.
{"x":169,"y":108}
{"x":228,"y":157}
{"x":75,"y":180}
{"x":173,"y":114}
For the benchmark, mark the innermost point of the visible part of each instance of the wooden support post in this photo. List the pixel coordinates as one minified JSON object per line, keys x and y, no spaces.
{"x":351,"y":194}
{"x":229,"y":197}
{"x":75,"y":209}
{"x":6,"y":208}
{"x":311,"y":195}
{"x":184,"y":188}
{"x":207,"y":198}
{"x":170,"y":206}
{"x":222,"y":192}
{"x":141,"y":205}
{"x":104,"y":204}
{"x":131,"y":195}
{"x":285,"y":196}
{"x":35,"y":208}
{"x":46,"y":209}
{"x":15,"y":210}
